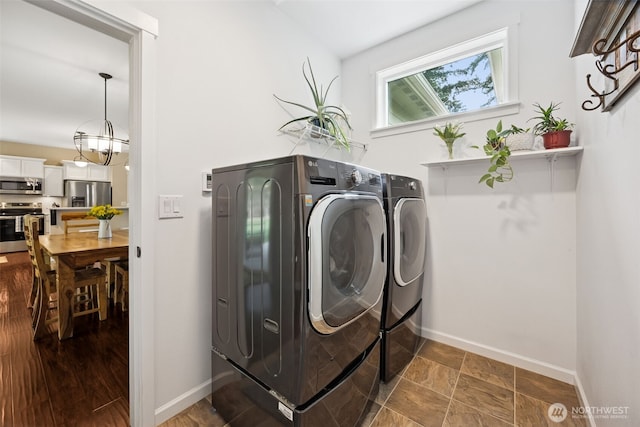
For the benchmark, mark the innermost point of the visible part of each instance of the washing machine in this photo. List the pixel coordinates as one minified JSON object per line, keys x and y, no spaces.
{"x":299,"y":266}
{"x":402,"y":307}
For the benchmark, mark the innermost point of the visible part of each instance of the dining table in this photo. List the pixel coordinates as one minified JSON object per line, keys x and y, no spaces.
{"x":78,"y":250}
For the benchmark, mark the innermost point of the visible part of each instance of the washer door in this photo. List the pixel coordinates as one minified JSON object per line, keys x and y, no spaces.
{"x":346,"y":259}
{"x":410,"y":223}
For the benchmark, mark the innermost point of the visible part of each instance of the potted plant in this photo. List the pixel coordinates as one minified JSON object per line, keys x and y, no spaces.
{"x":332,"y":120}
{"x":104,"y":213}
{"x":520,"y":139}
{"x":449,"y":133}
{"x":500,"y":169}
{"x":556,"y":132}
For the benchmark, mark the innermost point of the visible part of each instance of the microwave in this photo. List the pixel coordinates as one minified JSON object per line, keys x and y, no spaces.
{"x":18,"y":185}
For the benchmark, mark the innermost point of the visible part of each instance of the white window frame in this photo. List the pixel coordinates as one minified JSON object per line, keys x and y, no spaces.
{"x":503,"y":37}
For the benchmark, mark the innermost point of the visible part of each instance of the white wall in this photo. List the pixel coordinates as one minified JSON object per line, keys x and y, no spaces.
{"x":608,"y":279}
{"x":501,"y":263}
{"x":219,"y":64}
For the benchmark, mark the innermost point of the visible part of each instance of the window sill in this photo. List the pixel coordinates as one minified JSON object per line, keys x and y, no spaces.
{"x":505,"y":109}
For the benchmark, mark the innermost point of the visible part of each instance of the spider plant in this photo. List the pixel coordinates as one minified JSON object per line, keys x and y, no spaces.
{"x":547,"y":122}
{"x":329,"y":118}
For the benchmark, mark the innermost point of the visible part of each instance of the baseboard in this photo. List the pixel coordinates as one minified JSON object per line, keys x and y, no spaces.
{"x":182,"y":402}
{"x":583,"y":401}
{"x":517,"y":360}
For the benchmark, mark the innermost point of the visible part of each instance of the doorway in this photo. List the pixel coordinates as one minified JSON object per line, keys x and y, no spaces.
{"x":139,"y":30}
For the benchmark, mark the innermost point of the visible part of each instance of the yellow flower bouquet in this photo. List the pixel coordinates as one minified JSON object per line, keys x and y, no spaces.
{"x":104,"y":212}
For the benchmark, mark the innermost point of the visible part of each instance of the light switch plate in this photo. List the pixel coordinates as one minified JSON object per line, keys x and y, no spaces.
{"x":169,"y":206}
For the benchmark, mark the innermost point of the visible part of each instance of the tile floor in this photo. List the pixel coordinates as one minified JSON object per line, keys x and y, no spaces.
{"x":448,"y":387}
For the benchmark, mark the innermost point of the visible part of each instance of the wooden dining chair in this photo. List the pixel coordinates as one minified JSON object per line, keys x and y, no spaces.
{"x":83,"y":302}
{"x":78,"y":221}
{"x":121,"y":288}
{"x":31,"y":224}
{"x":35,"y":274}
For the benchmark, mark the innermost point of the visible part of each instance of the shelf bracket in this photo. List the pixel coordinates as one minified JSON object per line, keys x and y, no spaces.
{"x":552,"y":163}
{"x":445,"y":173}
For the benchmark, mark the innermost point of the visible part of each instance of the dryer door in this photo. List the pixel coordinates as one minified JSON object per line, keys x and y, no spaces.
{"x":410,"y":224}
{"x":346,"y":259}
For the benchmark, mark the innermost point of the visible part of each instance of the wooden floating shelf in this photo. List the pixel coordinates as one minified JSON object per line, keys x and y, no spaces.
{"x":551,"y":154}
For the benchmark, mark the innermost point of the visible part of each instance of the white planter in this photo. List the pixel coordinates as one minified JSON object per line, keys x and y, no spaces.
{"x":520,"y":141}
{"x":104,"y":229}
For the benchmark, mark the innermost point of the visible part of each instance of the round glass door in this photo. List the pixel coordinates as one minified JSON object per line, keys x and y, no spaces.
{"x":410,"y":224}
{"x":346,"y":260}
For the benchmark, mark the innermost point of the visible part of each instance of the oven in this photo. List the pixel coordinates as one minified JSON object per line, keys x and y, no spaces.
{"x":12,"y":225}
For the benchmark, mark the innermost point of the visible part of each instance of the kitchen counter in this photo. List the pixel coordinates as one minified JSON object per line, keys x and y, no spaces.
{"x":75,"y":209}
{"x":117,"y":222}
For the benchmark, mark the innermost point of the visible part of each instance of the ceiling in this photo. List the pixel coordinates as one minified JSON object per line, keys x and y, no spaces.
{"x":49,"y":82}
{"x":356,"y":25}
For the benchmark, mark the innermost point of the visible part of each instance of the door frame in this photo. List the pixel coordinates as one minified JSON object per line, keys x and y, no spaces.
{"x":139,"y":30}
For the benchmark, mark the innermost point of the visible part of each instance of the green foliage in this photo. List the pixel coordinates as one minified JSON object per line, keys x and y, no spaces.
{"x":516,"y":130}
{"x":327,"y":117}
{"x":450,"y":132}
{"x":500,"y":169}
{"x":449,"y":88}
{"x":547,"y":122}
{"x":496,"y":137}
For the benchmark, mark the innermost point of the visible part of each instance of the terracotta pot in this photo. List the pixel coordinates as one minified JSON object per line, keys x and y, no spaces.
{"x":558,"y":139}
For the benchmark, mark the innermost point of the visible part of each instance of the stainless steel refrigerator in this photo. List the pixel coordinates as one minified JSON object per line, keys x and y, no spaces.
{"x":86,"y":193}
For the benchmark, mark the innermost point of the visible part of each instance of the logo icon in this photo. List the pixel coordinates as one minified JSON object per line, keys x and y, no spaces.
{"x":557,"y":412}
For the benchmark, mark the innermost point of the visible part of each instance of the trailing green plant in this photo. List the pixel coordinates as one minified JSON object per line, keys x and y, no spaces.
{"x":547,"y":122}
{"x":449,"y":133}
{"x":326,"y":117}
{"x":500,"y":169}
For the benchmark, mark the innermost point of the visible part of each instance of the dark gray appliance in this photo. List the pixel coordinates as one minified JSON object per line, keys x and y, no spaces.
{"x":407,"y":239}
{"x":12,"y":226}
{"x":86,"y":193}
{"x":299,"y":267}
{"x":20,"y":185}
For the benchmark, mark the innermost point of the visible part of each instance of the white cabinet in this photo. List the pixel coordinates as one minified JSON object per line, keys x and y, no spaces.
{"x":98,"y":173}
{"x":90,"y":172}
{"x":71,"y":171}
{"x":53,"y":183}
{"x":21,"y":166}
{"x":10,"y":166}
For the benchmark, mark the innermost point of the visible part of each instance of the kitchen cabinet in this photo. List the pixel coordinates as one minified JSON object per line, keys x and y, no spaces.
{"x":90,"y":172}
{"x":53,"y":181}
{"x":27,"y":167}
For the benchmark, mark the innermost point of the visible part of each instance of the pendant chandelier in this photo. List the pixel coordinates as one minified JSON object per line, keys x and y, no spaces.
{"x":97,"y":137}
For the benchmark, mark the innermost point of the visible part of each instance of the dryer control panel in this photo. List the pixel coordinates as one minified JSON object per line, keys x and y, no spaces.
{"x":402,"y":186}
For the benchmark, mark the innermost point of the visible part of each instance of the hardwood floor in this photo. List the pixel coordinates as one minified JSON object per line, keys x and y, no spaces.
{"x":82,"y":381}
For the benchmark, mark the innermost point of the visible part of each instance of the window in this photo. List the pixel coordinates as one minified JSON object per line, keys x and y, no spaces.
{"x":467,"y":77}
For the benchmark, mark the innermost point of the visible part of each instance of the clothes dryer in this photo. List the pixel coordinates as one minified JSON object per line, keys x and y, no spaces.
{"x":402,"y":307}
{"x":299,"y":266}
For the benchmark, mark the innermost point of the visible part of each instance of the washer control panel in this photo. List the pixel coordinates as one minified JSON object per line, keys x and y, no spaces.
{"x":342,"y":176}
